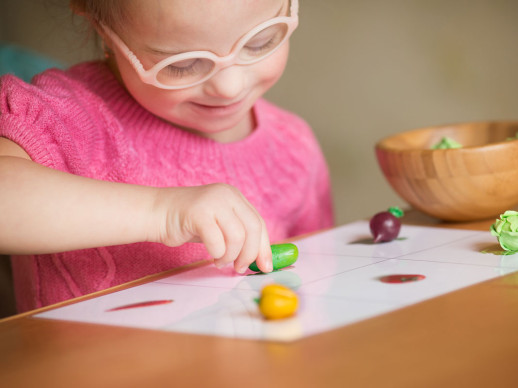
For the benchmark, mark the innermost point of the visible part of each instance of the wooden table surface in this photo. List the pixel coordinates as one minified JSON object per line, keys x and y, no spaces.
{"x":468,"y":338}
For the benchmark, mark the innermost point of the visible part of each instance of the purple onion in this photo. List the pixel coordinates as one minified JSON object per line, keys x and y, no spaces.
{"x":384,"y":227}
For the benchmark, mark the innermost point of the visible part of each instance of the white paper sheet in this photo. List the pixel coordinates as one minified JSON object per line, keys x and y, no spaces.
{"x":337,"y":278}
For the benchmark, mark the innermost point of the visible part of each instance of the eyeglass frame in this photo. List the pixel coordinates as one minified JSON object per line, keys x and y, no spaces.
{"x":220,"y":62}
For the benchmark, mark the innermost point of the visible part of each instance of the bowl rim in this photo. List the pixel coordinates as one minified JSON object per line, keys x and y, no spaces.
{"x":514,"y":142}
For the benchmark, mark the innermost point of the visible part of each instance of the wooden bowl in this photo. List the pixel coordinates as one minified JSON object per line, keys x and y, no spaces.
{"x":475,"y":182}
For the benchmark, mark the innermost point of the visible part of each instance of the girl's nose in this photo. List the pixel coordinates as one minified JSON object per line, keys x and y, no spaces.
{"x":228,"y":83}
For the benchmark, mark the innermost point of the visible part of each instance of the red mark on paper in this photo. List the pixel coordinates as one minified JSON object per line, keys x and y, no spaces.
{"x":401,"y":278}
{"x":142,"y":304}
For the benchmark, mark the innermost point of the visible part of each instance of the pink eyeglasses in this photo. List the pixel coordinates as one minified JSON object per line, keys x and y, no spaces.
{"x":192,"y":68}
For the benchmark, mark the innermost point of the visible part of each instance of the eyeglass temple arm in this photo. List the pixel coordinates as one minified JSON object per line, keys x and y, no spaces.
{"x":294,"y":8}
{"x":125,"y":49}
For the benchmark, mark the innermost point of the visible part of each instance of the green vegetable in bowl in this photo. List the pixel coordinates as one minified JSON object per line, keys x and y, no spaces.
{"x":446,"y":143}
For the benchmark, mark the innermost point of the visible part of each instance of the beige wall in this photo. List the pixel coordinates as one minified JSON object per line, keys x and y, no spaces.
{"x":360,"y":70}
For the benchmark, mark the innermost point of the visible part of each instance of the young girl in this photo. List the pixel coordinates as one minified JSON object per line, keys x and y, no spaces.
{"x":114,"y":170}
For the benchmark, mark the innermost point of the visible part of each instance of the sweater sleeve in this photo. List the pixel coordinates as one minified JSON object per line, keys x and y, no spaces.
{"x":33,"y":119}
{"x":317,"y":212}
{"x":60,"y":123}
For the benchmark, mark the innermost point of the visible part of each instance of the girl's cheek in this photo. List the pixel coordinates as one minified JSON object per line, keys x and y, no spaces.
{"x":274,"y":65}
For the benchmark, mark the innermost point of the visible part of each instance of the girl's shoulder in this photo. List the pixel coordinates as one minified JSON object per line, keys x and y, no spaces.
{"x":55,"y":87}
{"x":51,"y":116}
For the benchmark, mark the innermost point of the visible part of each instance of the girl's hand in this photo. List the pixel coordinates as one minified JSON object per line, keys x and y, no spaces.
{"x":220,"y":217}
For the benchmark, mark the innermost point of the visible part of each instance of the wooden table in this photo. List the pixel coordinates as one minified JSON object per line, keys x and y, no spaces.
{"x":468,"y":338}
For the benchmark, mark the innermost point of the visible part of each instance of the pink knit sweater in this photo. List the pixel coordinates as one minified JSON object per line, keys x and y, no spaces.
{"x":82,"y":121}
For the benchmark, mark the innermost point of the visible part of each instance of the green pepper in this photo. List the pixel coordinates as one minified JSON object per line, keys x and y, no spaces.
{"x":283,"y":255}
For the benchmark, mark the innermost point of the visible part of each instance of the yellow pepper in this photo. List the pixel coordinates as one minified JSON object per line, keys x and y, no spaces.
{"x":277,"y":301}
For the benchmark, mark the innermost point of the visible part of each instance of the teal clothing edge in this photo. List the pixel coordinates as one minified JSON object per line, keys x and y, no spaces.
{"x":22,"y":62}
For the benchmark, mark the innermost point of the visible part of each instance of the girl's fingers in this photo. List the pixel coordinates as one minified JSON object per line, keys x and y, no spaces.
{"x":226,"y":223}
{"x":264,"y":259}
{"x":212,"y":237}
{"x":254,"y":227}
{"x":234,"y":235}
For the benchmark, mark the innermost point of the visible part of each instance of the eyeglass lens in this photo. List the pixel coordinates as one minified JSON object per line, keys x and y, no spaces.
{"x":191,"y":70}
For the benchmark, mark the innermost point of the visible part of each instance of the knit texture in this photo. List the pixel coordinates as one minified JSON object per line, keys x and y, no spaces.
{"x":83,"y":122}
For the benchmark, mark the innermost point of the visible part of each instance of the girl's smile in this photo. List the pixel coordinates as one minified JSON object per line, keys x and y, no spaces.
{"x":219,"y":110}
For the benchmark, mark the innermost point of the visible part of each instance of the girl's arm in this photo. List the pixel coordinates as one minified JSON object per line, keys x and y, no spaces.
{"x":44,"y":210}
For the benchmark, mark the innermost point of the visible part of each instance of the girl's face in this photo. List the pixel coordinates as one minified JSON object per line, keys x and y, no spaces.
{"x":219,"y":108}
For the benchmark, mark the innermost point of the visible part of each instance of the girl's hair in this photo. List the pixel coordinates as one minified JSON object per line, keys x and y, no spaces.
{"x":108,"y":12}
